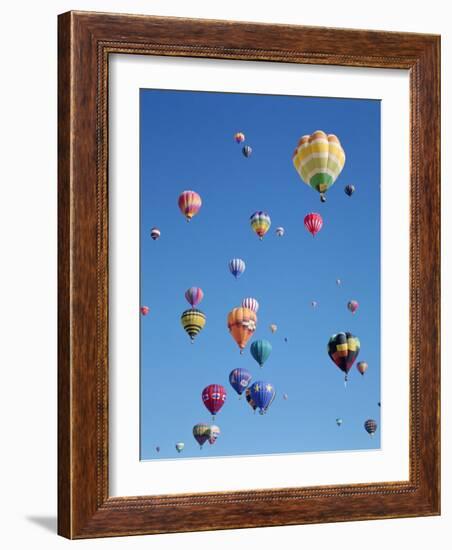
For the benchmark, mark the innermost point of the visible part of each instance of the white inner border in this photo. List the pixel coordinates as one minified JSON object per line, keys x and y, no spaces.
{"x":129,"y":476}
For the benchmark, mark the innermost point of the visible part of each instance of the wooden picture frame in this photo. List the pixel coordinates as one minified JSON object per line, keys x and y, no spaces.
{"x":85,"y":42}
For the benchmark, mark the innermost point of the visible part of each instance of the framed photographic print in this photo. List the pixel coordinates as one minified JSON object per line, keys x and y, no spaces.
{"x":248,"y":275}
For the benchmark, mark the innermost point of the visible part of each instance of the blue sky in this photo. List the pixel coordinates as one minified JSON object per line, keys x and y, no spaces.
{"x":187,"y":143}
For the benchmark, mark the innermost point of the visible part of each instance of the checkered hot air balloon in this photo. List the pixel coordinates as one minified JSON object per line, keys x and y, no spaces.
{"x":242,"y":323}
{"x":189,"y":204}
{"x":193,"y":320}
{"x":318,"y":160}
{"x":343,"y":348}
{"x":213,"y":397}
{"x":260,"y":223}
{"x":313,"y":223}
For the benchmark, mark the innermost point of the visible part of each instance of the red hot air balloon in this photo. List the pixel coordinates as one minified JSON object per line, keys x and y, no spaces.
{"x":213,"y":397}
{"x":353,"y":305}
{"x":144,"y":310}
{"x":189,"y":204}
{"x":313,"y":223}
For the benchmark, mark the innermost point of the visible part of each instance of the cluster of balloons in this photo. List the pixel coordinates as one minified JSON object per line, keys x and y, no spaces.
{"x":239,"y":138}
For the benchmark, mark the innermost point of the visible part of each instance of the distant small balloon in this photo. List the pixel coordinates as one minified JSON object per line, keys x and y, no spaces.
{"x":349,"y":190}
{"x":251,"y":303}
{"x":239,"y":137}
{"x":314,"y":304}
{"x":286,"y":339}
{"x":280,"y":231}
{"x":322,"y":197}
{"x":214,"y":432}
{"x":285,"y":396}
{"x":362,"y":366}
{"x":247,"y":151}
{"x":339,"y":421}
{"x":157,"y":449}
{"x":194,"y":295}
{"x":273,"y":328}
{"x":338,"y":282}
{"x":155,"y":233}
{"x":189,"y":204}
{"x":352,"y":305}
{"x":370,"y":426}
{"x":313,"y":223}
{"x":144,"y":310}
{"x":237,"y":266}
{"x":180,"y":446}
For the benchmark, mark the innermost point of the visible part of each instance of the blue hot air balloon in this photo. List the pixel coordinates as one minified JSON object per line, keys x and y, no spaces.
{"x":260,"y":350}
{"x":237,"y":267}
{"x":239,"y":380}
{"x":263,"y":394}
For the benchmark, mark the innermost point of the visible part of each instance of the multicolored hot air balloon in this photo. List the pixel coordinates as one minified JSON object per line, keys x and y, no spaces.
{"x":349,"y":190}
{"x":260,"y":223}
{"x":155,"y":233}
{"x":242,"y":323}
{"x":214,"y":432}
{"x":194,"y":295}
{"x":180,"y":446}
{"x":144,"y":310}
{"x":280,"y":231}
{"x":339,"y":421}
{"x":261,"y":350}
{"x":362,"y":366}
{"x":239,"y":380}
{"x":273,"y":328}
{"x":263,"y":394}
{"x":189,"y":204}
{"x":343,"y":348}
{"x":251,"y":303}
{"x":370,"y":426}
{"x":237,"y":266}
{"x":213,"y":397}
{"x":201,"y":432}
{"x":318,"y":160}
{"x":249,"y":399}
{"x":239,"y":137}
{"x":193,"y":320}
{"x":313,"y":223}
{"x":247,"y":151}
{"x":352,"y":306}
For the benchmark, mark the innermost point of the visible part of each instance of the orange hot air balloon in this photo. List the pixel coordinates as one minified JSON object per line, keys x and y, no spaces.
{"x":242,"y":324}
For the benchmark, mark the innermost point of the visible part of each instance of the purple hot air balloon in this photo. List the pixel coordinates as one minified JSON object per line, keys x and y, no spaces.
{"x":251,"y":303}
{"x":194,"y":295}
{"x":239,"y":380}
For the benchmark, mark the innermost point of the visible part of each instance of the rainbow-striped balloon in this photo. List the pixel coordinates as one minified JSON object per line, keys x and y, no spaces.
{"x":260,"y":223}
{"x":189,"y":204}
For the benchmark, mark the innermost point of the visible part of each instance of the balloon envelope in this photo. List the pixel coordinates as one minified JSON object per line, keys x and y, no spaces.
{"x":251,"y":303}
{"x":343,"y":349}
{"x":242,"y":323}
{"x":155,"y":233}
{"x":261,"y":350}
{"x":313,"y":223}
{"x":239,"y":137}
{"x":180,"y":446}
{"x":201,"y":432}
{"x":260,"y":223}
{"x":318,"y":160}
{"x":194,"y":295}
{"x":237,"y":266}
{"x":362,"y":366}
{"x":189,"y":204}
{"x":213,"y":397}
{"x":263,"y":394}
{"x":370,"y":426}
{"x":247,"y":151}
{"x":193,"y":320}
{"x":352,"y":305}
{"x":280,"y":231}
{"x":239,"y":380}
{"x":214,"y":432}
{"x":144,"y":310}
{"x":349,"y":190}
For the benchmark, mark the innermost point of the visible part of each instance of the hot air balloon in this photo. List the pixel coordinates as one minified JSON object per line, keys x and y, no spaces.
{"x":237,"y":266}
{"x":338,"y":282}
{"x":261,"y":350}
{"x":260,"y":223}
{"x":251,"y":303}
{"x":180,"y":446}
{"x":370,"y":426}
{"x":194,"y":295}
{"x":249,"y":399}
{"x":157,"y":449}
{"x":189,"y":204}
{"x":314,"y":304}
{"x":155,"y":233}
{"x":349,"y":190}
{"x":242,"y":324}
{"x":263,"y":394}
{"x":247,"y":151}
{"x":213,"y":397}
{"x":379,"y":404}
{"x":201,"y":432}
{"x":273,"y":328}
{"x":280,"y":231}
{"x":319,"y":159}
{"x":239,"y":137}
{"x":193,"y":321}
{"x":214,"y":432}
{"x":339,"y":421}
{"x":286,"y":339}
{"x":313,"y":223}
{"x":362,"y":366}
{"x":353,"y":305}
{"x":343,"y":348}
{"x":144,"y":310}
{"x":239,"y":380}
{"x":285,"y":396}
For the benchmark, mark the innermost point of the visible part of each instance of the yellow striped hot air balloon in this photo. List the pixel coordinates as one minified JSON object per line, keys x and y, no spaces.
{"x":319,"y":159}
{"x":193,"y":321}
